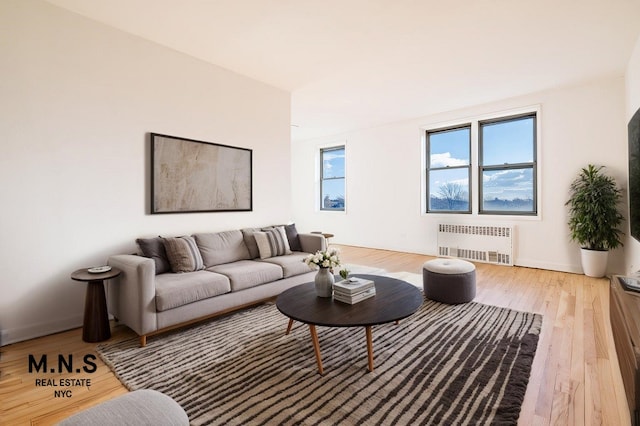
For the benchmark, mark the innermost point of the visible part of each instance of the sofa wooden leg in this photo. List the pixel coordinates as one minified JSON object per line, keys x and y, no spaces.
{"x":143,"y":341}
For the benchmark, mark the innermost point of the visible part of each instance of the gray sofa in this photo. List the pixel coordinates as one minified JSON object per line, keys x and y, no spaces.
{"x":177,"y":281}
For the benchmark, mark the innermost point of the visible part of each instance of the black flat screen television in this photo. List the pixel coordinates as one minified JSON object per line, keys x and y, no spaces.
{"x":634,"y":175}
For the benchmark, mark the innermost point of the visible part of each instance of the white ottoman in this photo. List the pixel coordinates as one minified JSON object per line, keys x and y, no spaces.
{"x":449,"y":280}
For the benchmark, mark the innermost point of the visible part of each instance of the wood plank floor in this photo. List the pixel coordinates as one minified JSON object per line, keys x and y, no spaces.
{"x":575,"y":378}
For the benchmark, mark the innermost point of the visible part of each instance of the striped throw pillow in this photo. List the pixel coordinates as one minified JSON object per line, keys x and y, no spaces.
{"x":183,"y":254}
{"x":272,"y":242}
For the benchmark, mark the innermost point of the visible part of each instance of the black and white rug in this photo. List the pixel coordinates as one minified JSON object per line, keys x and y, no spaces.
{"x":463,"y":364}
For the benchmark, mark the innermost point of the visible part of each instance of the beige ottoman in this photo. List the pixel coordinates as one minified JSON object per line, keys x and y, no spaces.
{"x":450,"y":281}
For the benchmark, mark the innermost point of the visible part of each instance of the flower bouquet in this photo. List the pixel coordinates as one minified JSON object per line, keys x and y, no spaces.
{"x":323,"y":259}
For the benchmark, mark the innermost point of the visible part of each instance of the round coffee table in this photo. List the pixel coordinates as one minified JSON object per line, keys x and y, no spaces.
{"x":394,"y":300}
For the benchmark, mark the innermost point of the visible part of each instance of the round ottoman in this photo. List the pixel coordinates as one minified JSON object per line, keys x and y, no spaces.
{"x":449,"y":280}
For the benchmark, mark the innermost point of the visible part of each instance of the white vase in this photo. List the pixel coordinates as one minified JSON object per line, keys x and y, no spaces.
{"x":324,"y":282}
{"x":594,"y":262}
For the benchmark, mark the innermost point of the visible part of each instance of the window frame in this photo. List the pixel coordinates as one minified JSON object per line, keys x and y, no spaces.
{"x":322,"y":179}
{"x":429,"y":169}
{"x":533,"y":165}
{"x":475,"y":119}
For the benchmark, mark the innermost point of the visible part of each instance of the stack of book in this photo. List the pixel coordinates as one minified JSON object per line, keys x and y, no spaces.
{"x":353,"y":290}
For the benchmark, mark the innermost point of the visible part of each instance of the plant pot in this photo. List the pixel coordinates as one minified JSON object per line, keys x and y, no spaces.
{"x":594,"y":262}
{"x":324,"y":282}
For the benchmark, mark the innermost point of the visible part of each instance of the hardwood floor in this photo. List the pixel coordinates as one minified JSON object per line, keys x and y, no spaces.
{"x":575,"y":379}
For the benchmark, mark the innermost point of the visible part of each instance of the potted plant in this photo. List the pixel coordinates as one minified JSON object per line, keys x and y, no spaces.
{"x":594,"y":218}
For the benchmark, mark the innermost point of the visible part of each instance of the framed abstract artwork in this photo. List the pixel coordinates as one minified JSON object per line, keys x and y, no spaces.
{"x":189,"y":176}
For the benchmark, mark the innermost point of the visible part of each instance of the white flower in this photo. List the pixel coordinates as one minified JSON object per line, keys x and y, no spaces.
{"x":323,"y":259}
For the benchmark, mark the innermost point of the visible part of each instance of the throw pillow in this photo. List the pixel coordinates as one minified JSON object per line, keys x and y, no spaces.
{"x":292,"y":236}
{"x":183,"y":254}
{"x":153,"y":248}
{"x":250,"y":241}
{"x":272,"y":242}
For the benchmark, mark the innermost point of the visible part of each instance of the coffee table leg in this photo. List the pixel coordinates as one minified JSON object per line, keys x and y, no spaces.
{"x":316,"y":347}
{"x":369,"y":347}
{"x":289,"y":327}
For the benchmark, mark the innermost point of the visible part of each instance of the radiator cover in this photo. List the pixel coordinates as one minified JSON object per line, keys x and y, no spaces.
{"x":478,"y":243}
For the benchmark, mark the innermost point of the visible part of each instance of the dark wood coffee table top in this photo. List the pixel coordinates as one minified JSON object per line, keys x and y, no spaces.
{"x":394,"y":300}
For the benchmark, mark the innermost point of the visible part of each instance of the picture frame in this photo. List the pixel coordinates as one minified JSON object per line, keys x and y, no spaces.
{"x":191,"y":176}
{"x":634,"y":175}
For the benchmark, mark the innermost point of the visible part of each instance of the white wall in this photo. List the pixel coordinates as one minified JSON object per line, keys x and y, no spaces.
{"x":77,"y":100}
{"x":632,"y":247}
{"x":579,"y":125}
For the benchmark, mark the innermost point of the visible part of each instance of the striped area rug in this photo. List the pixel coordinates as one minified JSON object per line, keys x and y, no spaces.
{"x":463,"y":364}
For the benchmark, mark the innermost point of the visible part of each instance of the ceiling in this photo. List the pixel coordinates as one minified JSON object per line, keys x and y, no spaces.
{"x":353,"y":64}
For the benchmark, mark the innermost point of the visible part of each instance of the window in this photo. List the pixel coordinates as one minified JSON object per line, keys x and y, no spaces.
{"x":500,"y":152}
{"x":507,"y":171}
{"x":449,"y":170}
{"x":332,"y":178}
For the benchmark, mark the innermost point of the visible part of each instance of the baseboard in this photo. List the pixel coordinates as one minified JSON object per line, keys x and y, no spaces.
{"x":20,"y":334}
{"x":560,"y":267}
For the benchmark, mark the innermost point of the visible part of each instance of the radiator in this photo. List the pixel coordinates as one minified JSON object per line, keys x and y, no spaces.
{"x":478,"y":243}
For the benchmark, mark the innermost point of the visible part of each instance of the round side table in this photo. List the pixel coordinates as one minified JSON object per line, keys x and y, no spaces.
{"x":95,"y":327}
{"x":326,"y":235}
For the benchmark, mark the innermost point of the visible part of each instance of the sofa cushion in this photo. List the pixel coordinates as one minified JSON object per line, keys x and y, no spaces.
{"x":183,"y":254}
{"x":291,"y":264}
{"x":222,"y":247}
{"x":248,"y":273}
{"x":153,"y":248}
{"x":173,"y":290}
{"x":292,"y":236}
{"x":272,"y":242}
